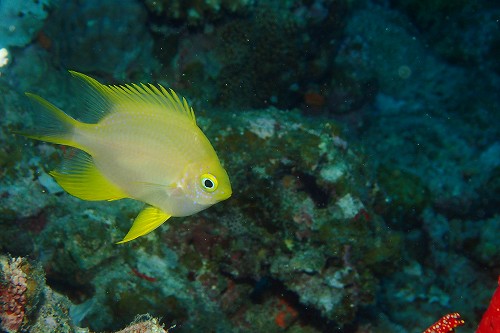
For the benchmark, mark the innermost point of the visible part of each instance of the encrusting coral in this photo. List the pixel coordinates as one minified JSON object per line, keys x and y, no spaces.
{"x":28,"y":305}
{"x":22,"y":292}
{"x":145,"y":324}
{"x":13,"y":287}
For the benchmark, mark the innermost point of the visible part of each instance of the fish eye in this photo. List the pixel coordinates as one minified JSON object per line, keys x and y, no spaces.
{"x":208,"y":182}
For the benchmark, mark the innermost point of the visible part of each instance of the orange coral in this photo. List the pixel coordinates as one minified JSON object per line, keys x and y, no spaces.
{"x":287,"y":314}
{"x":280,"y":319}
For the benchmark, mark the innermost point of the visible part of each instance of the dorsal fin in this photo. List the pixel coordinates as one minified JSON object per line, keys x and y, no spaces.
{"x":103,"y":99}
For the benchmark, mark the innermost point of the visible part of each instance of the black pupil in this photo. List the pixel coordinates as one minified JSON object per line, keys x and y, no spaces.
{"x":208,"y":183}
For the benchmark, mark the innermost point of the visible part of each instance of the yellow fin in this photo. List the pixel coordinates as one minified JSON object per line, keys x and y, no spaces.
{"x":104,"y":98}
{"x":148,"y":220}
{"x":79,"y":176}
{"x":52,"y":124}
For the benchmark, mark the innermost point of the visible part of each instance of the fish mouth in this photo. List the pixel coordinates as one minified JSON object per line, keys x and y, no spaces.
{"x":225,"y":194}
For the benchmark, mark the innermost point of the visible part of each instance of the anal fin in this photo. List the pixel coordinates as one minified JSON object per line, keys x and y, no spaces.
{"x":148,"y":220}
{"x":79,"y":176}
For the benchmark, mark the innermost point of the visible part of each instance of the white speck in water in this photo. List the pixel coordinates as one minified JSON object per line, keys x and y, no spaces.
{"x":4,"y":57}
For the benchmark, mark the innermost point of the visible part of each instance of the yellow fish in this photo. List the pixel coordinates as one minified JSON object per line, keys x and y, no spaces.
{"x":141,"y":142}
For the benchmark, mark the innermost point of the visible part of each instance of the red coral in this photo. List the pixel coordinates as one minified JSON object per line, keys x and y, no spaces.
{"x":446,"y":324}
{"x":13,"y":287}
{"x":143,"y":276}
{"x":490,"y":323}
{"x":280,"y":319}
{"x":286,"y":314}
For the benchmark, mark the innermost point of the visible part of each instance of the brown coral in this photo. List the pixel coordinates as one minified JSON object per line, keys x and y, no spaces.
{"x":13,"y":286}
{"x":145,"y":324}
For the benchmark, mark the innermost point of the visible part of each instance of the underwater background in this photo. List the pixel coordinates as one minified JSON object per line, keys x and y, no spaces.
{"x":362,"y":143}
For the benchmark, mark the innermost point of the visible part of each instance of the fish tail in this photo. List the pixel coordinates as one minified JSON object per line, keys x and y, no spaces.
{"x":52,"y":124}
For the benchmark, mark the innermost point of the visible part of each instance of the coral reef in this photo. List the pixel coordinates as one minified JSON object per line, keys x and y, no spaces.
{"x":233,"y":59}
{"x":20,"y":293}
{"x":197,"y":12}
{"x":467,"y":42}
{"x":22,"y":21}
{"x":29,"y":305}
{"x":313,"y":256}
{"x":202,"y":265}
{"x":411,"y":112}
{"x":118,"y":44}
{"x":144,"y":324}
{"x":12,"y":294}
{"x":362,"y":146}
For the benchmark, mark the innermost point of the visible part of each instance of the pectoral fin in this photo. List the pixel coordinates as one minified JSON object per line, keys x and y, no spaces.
{"x":148,"y":220}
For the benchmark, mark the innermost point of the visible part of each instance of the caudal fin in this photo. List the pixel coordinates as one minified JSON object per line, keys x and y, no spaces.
{"x":52,"y":124}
